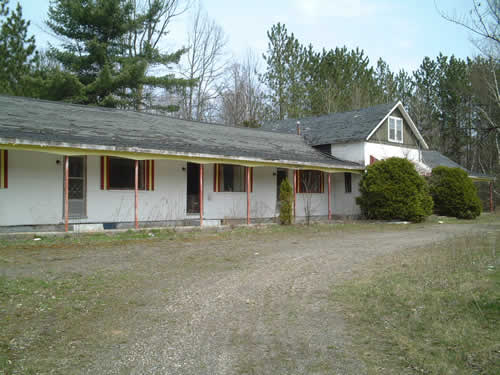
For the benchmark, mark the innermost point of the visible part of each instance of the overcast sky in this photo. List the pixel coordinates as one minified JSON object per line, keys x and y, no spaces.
{"x":402,"y":32}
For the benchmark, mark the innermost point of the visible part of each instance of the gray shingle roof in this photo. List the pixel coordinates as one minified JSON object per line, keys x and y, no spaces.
{"x":435,"y":159}
{"x":57,"y":122}
{"x":335,"y":127}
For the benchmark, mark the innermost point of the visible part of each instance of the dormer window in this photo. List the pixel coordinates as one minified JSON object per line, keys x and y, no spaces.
{"x":395,"y":129}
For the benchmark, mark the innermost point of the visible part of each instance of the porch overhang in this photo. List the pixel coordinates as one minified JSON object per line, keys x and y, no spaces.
{"x":136,"y":153}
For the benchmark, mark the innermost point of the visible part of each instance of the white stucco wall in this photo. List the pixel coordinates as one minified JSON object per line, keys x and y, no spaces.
{"x":350,"y":151}
{"x":344,"y":204}
{"x":166,"y":202}
{"x":35,"y":191}
{"x":35,"y":194}
{"x":384,"y":151}
{"x":233,"y":205}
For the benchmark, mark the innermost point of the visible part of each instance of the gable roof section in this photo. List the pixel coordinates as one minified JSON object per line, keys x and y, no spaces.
{"x":342,"y":127}
{"x":32,"y":122}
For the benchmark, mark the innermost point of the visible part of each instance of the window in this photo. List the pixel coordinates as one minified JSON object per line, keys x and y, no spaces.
{"x":231,"y":178}
{"x":4,"y":167}
{"x":348,"y":182}
{"x":119,"y":174}
{"x":122,"y":174}
{"x":310,"y":182}
{"x":396,"y":129}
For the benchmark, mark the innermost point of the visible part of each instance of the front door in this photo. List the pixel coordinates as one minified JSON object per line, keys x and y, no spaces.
{"x":193,"y":188}
{"x":77,"y":187}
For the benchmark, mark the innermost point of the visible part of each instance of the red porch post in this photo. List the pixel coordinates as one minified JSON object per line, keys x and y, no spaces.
{"x":66,"y":193}
{"x":248,"y":194}
{"x":491,"y":197}
{"x":201,"y":195}
{"x":137,"y":194}
{"x":329,"y":197}
{"x":294,"y":193}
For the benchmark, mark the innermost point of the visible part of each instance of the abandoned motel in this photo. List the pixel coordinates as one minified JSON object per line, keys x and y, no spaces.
{"x":72,"y":167}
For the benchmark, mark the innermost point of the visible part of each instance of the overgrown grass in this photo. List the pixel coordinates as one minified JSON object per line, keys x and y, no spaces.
{"x":429,"y":311}
{"x":44,"y":323}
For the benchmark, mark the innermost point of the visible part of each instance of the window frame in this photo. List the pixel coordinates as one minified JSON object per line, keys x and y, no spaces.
{"x":397,"y":120}
{"x":320,"y":188}
{"x":219,"y":174}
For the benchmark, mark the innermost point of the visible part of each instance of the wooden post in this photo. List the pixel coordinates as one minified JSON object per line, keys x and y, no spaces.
{"x":248,"y":194}
{"x":201,"y":195}
{"x":137,"y":194}
{"x":329,"y":197}
{"x":491,"y":197}
{"x":294,"y":193}
{"x":66,"y":193}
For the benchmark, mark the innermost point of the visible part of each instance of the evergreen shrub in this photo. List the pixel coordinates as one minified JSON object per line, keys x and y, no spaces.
{"x":392,"y":189}
{"x":454,"y":193}
{"x":286,"y":202}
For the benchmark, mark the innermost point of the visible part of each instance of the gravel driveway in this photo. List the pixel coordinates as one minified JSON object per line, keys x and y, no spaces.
{"x":247,"y":303}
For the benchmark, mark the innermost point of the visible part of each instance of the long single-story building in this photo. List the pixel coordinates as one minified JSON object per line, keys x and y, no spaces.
{"x":63,"y":166}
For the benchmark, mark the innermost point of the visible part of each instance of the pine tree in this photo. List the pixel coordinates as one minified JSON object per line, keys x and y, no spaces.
{"x":100,"y":53}
{"x":17,"y":50}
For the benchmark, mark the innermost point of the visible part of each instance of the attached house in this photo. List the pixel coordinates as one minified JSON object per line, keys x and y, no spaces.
{"x":65,"y":166}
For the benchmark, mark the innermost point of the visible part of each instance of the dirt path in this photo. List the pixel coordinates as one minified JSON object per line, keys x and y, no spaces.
{"x":254,"y":304}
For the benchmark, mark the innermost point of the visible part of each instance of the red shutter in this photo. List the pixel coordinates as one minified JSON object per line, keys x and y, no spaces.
{"x":322,"y":182}
{"x":149,"y":175}
{"x":299,"y":185}
{"x":152,"y":172}
{"x":4,"y":169}
{"x":104,"y":164}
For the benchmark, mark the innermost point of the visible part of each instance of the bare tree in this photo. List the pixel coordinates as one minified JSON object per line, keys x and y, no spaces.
{"x":154,"y":16}
{"x":205,"y":64}
{"x":242,"y":99}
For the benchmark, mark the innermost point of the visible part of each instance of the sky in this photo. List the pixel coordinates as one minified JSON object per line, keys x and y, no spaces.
{"x":402,"y":32}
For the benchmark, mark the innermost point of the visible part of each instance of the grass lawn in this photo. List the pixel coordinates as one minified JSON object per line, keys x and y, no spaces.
{"x":432,"y":310}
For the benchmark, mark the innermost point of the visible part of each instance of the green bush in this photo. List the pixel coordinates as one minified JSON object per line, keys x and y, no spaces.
{"x":393,"y":189}
{"x":454,"y":193}
{"x":286,"y":201}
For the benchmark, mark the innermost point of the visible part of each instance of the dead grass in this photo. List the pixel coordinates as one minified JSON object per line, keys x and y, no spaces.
{"x":433,"y":310}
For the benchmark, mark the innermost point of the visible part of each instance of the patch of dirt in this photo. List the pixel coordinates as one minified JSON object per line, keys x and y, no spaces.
{"x":255,"y":303}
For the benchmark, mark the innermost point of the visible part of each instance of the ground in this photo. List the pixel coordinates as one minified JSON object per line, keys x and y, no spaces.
{"x":242,"y":302}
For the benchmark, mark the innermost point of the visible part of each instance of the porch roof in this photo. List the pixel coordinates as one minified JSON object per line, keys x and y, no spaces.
{"x":70,"y":129}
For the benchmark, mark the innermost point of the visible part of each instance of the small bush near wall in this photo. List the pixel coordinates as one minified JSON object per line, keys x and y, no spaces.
{"x":454,"y":193}
{"x":392,"y":189}
{"x":286,"y":201}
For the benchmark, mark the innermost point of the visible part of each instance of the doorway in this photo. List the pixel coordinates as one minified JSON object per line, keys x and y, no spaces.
{"x":193,"y":188}
{"x":77,"y":187}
